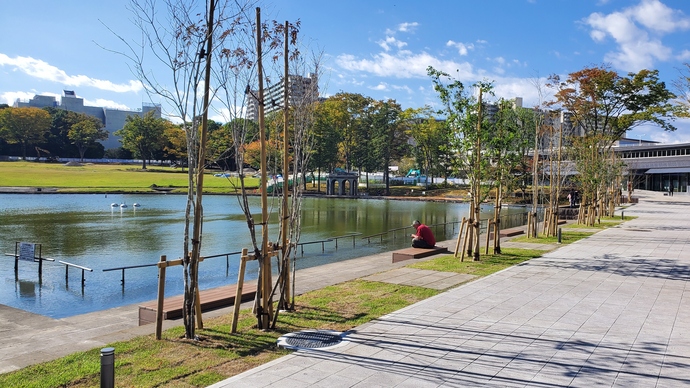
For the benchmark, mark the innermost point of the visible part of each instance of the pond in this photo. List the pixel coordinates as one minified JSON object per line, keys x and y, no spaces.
{"x":84,"y":229}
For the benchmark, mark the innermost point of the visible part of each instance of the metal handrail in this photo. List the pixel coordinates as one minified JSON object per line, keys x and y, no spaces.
{"x":322,"y":242}
{"x":368,"y":238}
{"x":82,"y":268}
{"x":128,"y":267}
{"x":353,"y":235}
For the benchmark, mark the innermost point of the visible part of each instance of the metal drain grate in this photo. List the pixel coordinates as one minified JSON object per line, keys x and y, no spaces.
{"x":311,"y":339}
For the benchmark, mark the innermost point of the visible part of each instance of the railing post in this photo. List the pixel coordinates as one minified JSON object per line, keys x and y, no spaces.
{"x":108,"y":368}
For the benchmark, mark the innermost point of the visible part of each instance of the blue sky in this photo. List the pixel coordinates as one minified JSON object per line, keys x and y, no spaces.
{"x":377,"y":48}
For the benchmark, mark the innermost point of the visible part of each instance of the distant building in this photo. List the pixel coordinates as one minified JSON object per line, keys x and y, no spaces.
{"x":656,"y":166}
{"x":301,"y":90}
{"x":112,"y":119}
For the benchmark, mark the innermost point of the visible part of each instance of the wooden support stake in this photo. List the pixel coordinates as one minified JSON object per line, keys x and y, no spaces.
{"x":238,"y":290}
{"x":161,"y":295}
{"x":488,"y":235}
{"x":457,"y":244}
{"x":197,"y":304}
{"x":465,"y":242}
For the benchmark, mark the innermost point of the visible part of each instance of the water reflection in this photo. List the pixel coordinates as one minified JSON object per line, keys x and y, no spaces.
{"x":85,"y":230}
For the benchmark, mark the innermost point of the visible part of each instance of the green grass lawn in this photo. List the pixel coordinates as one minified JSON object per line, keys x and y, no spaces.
{"x":217,"y":354}
{"x":106,"y":178}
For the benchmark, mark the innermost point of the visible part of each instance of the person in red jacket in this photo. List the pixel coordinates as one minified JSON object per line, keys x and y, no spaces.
{"x":424,"y":238}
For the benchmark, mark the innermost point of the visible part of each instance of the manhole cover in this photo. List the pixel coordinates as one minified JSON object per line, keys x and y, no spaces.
{"x":311,"y":339}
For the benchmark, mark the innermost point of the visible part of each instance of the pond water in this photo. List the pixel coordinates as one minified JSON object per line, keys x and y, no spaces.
{"x":84,"y":229}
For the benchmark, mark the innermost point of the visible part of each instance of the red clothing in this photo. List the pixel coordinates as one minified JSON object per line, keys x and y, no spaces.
{"x":424,"y":232}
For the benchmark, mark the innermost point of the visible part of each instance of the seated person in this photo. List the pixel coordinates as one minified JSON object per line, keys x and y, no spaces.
{"x":424,"y":238}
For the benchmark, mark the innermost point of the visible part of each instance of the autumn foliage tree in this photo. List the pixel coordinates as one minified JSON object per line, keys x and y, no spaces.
{"x":605,"y":105}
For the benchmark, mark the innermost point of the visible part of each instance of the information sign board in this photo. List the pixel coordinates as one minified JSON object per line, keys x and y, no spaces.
{"x":27,"y":251}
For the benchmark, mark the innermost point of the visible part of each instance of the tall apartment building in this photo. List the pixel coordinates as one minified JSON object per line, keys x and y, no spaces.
{"x":301,"y":90}
{"x":112,"y":119}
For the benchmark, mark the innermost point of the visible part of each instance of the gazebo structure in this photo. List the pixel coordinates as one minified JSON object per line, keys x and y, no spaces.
{"x":343,"y":183}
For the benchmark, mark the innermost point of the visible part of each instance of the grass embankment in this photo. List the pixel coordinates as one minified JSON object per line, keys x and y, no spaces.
{"x":217,"y":355}
{"x":118,"y":178}
{"x":106,"y":178}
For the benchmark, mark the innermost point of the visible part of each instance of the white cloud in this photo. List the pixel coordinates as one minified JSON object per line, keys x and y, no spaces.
{"x":404,"y":65}
{"x":43,"y":70}
{"x":390,"y":41}
{"x":637,"y":31}
{"x":408,"y":27}
{"x":653,"y":132}
{"x":656,"y":16}
{"x":404,"y":88}
{"x":382,"y":86}
{"x":463,"y":48}
{"x":511,"y":87}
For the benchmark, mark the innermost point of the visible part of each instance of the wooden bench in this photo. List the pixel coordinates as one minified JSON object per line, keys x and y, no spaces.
{"x":510,"y":232}
{"x":417,"y":253}
{"x":210,"y":299}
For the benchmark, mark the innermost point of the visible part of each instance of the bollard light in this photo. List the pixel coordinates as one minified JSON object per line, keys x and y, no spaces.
{"x":108,"y":368}
{"x":622,"y":215}
{"x":559,"y":235}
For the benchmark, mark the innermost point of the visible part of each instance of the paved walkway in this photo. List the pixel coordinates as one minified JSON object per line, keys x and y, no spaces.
{"x":611,"y":310}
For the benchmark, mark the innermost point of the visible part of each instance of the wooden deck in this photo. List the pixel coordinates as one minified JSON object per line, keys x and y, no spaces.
{"x":417,"y":253}
{"x":210,"y":299}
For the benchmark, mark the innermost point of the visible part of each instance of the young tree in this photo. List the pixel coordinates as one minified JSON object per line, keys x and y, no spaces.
{"x":512,"y":130}
{"x":466,"y":119}
{"x":23,"y":126}
{"x":86,"y":132}
{"x":183,"y":37}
